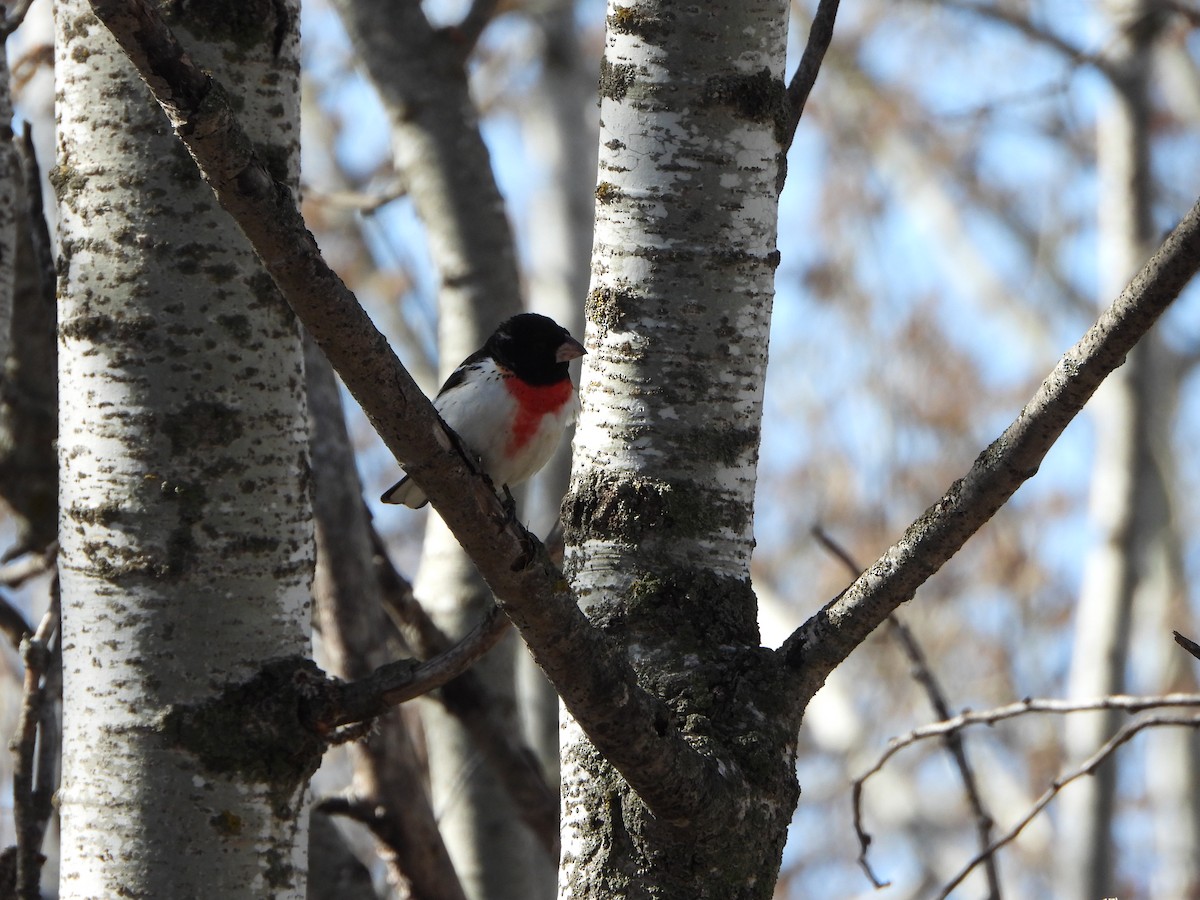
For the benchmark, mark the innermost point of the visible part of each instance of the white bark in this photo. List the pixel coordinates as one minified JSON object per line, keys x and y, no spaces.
{"x":185,"y":528}
{"x":660,"y":511}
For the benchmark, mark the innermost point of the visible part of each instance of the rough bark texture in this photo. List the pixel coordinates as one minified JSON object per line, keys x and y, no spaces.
{"x":659,"y":515}
{"x":185,"y":528}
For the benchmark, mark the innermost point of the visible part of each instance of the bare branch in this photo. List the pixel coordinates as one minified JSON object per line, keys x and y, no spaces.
{"x":13,"y":624}
{"x":1031,"y":30}
{"x":633,"y":729}
{"x":32,"y":785}
{"x":468,"y":699}
{"x":953,"y":725}
{"x":1119,"y":702}
{"x":364,"y":202}
{"x":924,"y":675}
{"x":1086,"y":768}
{"x":16,"y":573}
{"x":822,"y":642}
{"x":1187,"y":644}
{"x":394,"y":683}
{"x":387,"y":776}
{"x":820,"y":33}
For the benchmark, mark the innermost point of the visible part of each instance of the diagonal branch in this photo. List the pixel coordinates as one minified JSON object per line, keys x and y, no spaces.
{"x":821,"y":643}
{"x":633,"y":729}
{"x":955,"y":745}
{"x":1030,"y":29}
{"x":468,"y":699}
{"x":396,"y":682}
{"x":820,"y":33}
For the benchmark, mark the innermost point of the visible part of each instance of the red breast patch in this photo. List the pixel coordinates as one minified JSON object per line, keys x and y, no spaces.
{"x":533,"y":402}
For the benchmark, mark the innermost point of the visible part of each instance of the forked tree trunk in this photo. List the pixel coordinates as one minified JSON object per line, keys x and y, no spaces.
{"x":186,"y":528}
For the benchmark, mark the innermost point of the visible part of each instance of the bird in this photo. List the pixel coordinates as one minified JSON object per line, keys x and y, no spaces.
{"x":509,"y":402}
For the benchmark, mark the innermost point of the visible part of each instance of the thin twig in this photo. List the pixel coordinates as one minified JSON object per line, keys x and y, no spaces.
{"x":1119,"y":702}
{"x":1187,"y":644}
{"x":16,"y":573}
{"x":924,"y":675}
{"x":1125,"y":703}
{"x":365,"y":202}
{"x":468,"y":699}
{"x":1088,"y":767}
{"x":820,"y":33}
{"x":13,"y":624}
{"x":30,"y":809}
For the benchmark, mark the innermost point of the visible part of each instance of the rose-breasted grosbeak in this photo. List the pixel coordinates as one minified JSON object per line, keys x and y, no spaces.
{"x":509,"y":402}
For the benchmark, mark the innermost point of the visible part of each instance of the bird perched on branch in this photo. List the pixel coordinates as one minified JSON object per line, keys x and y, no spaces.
{"x":509,"y":402}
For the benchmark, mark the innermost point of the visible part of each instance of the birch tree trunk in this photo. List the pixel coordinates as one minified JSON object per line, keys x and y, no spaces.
{"x":186,"y":527}
{"x":1127,"y":496}
{"x":660,"y":508}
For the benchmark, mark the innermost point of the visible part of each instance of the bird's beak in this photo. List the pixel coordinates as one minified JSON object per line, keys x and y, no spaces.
{"x":569,"y":350}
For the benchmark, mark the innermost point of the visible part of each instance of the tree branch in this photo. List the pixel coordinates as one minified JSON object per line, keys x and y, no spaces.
{"x":633,"y":729}
{"x":1088,"y":767}
{"x":469,"y":700}
{"x":954,"y":725}
{"x":33,"y":778}
{"x":821,"y":643}
{"x":820,"y":33}
{"x":1031,"y":30}
{"x":393,"y":683}
{"x":923,"y":673}
{"x":1187,"y":644}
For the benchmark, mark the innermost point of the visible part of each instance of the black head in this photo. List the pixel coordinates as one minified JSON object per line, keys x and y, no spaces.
{"x":535,"y":348}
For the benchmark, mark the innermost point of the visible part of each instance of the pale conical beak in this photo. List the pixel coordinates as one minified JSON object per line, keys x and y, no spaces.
{"x":570,"y":349}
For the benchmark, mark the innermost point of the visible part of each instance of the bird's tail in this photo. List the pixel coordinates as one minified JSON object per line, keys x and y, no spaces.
{"x":405,"y":493}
